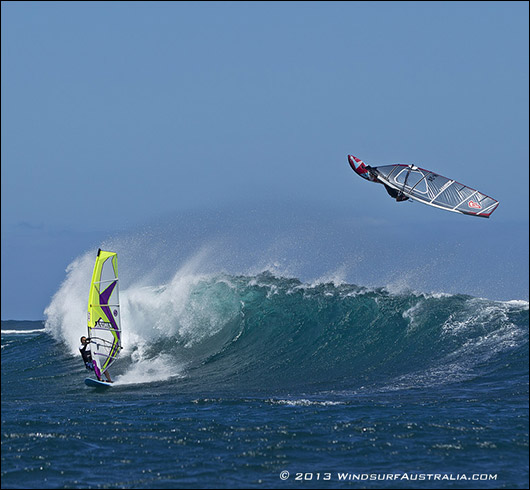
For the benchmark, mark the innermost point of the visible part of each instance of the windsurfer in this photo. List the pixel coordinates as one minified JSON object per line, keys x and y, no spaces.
{"x":371,"y":174}
{"x":84,"y":349}
{"x":397,"y":195}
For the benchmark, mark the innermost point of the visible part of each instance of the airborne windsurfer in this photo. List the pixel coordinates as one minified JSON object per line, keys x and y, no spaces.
{"x":397,"y":195}
{"x":84,"y":349}
{"x":370,"y":174}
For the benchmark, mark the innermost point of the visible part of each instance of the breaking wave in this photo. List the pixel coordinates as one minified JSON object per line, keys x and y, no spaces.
{"x":265,"y":331}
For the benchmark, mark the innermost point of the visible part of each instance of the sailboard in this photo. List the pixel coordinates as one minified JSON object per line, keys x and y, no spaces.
{"x":428,"y":187}
{"x":95,"y":383}
{"x":103,"y":318}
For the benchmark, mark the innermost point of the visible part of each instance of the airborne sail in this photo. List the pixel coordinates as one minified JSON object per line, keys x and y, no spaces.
{"x":427,"y":187}
{"x":104,"y":312}
{"x":433,"y":189}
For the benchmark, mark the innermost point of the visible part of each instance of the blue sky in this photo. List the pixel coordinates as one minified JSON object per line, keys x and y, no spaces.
{"x":118,"y":114}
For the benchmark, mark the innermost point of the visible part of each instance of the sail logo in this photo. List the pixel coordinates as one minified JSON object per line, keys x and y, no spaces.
{"x":115,"y":312}
{"x":475,"y":205}
{"x":101,"y":324}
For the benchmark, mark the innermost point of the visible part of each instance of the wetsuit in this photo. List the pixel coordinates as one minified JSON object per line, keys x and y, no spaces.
{"x":397,"y":195}
{"x":87,"y":356}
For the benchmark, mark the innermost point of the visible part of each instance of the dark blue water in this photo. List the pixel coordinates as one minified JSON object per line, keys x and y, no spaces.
{"x":228,"y":381}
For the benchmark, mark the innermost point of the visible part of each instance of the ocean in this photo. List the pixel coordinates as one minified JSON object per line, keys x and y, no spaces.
{"x":267,"y":381}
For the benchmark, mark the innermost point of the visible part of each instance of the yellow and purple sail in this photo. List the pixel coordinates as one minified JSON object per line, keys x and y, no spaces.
{"x":104,"y":324}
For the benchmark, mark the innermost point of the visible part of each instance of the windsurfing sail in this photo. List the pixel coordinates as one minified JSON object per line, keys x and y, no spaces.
{"x":103,"y":317}
{"x":433,"y":189}
{"x":428,"y":187}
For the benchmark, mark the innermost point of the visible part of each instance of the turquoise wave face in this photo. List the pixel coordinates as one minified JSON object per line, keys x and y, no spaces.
{"x":265,"y":332}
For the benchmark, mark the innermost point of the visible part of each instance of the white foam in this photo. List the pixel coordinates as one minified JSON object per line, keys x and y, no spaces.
{"x":23,"y":332}
{"x":160,"y":368}
{"x":66,"y":315}
{"x":305,"y":403}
